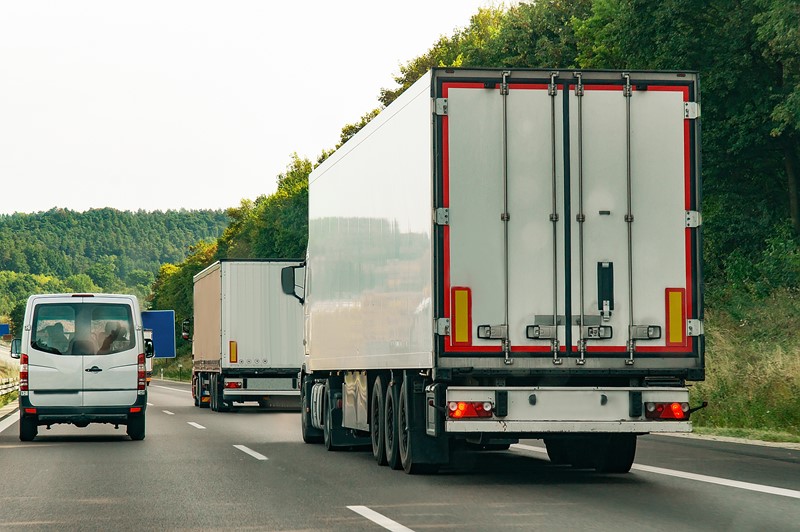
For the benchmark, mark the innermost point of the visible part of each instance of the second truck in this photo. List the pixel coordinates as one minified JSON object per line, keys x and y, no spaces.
{"x":506,"y":254}
{"x":247,"y":336}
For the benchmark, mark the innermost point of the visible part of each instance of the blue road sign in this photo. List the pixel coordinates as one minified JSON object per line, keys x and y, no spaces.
{"x":162,"y":323}
{"x":4,"y":329}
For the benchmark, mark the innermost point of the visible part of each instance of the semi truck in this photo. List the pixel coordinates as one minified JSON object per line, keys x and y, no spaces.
{"x":506,"y":254}
{"x":247,"y":336}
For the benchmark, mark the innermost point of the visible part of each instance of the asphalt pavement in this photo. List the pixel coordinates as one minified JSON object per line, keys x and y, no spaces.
{"x":250,"y":470}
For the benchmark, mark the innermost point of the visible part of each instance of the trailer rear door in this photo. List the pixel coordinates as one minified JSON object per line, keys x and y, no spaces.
{"x":569,"y":225}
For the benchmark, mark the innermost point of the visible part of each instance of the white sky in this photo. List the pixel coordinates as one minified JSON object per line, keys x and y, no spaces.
{"x":169,"y":104}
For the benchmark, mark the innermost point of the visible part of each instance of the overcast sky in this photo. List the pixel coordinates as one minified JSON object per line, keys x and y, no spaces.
{"x":192,"y":104}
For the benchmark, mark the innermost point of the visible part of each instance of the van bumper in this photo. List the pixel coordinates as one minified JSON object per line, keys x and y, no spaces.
{"x":51,"y":415}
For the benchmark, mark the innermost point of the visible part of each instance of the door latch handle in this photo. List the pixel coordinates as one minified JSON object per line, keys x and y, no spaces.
{"x":93,"y":369}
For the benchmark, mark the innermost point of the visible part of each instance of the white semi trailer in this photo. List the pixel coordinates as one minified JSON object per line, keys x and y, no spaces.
{"x":505,"y":254}
{"x":248,"y":334}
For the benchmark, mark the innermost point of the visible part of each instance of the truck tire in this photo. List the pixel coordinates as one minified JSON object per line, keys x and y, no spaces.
{"x":616,"y":453}
{"x":405,"y":438}
{"x":557,"y":451}
{"x":28,"y":428}
{"x":200,"y":391}
{"x":391,"y":433}
{"x":135,"y":428}
{"x":376,"y":421}
{"x":310,"y":434}
{"x":213,"y":386}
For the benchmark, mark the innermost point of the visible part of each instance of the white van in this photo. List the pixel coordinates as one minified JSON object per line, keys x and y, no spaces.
{"x":82,"y":360}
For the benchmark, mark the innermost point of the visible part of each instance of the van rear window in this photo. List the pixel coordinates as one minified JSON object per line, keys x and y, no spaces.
{"x":82,"y":328}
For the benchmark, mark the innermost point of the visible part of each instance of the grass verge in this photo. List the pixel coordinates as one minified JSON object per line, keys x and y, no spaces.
{"x":752,"y":367}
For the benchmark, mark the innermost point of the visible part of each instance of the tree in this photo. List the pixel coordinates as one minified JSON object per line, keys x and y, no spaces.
{"x":778,"y":32}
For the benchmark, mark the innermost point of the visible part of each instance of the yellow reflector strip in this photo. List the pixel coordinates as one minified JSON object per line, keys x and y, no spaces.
{"x":233,"y":351}
{"x":676,"y":316}
{"x":461,"y":318}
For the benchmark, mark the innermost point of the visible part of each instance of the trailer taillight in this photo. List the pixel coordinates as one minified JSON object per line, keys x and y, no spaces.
{"x":666,"y":410}
{"x":469,"y":409}
{"x":234,"y":384}
{"x":142,"y":377}
{"x":23,"y":375}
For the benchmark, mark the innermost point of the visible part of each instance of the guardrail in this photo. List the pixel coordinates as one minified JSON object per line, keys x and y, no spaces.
{"x":8,"y":386}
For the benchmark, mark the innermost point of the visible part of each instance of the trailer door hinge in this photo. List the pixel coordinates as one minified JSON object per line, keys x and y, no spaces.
{"x":691,"y":110}
{"x":442,"y":215}
{"x":443,"y":326}
{"x":694,"y":219}
{"x":441,"y":106}
{"x":694,"y":328}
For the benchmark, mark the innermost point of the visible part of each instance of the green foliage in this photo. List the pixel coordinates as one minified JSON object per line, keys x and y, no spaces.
{"x":752,"y":362}
{"x":173,"y":287}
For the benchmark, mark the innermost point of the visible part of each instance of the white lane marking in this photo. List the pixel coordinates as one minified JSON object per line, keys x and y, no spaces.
{"x":771,"y":490}
{"x":378,"y":519}
{"x":195,"y":425}
{"x":170,"y":389}
{"x":10,"y":420}
{"x":251,"y":452}
{"x":167,"y":412}
{"x":761,"y":488}
{"x":150,"y":404}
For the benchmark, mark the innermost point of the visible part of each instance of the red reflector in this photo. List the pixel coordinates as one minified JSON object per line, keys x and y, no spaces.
{"x":136,"y":409}
{"x":30,"y":410}
{"x":233,"y":384}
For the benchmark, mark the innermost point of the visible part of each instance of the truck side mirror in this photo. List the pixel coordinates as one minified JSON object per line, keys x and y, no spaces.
{"x":149,"y":349}
{"x":288,"y":283}
{"x":186,"y":328}
{"x":16,"y":347}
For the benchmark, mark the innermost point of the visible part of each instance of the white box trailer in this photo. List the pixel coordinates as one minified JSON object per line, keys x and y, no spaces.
{"x":248,"y":334}
{"x":503,"y":254}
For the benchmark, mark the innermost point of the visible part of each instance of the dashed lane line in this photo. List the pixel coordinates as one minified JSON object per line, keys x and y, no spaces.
{"x":167,"y":412}
{"x":251,"y":452}
{"x":760,"y":488}
{"x":196,"y":425}
{"x":379,"y":519}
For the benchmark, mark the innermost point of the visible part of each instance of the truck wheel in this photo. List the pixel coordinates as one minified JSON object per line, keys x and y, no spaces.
{"x":201,"y":378}
{"x":557,"y":451}
{"x":213,"y":386}
{"x":376,"y":422}
{"x":405,"y":438}
{"x":135,"y":427}
{"x":28,"y":428}
{"x":616,"y":453}
{"x":310,"y":434}
{"x":327,"y":423}
{"x":390,"y":432}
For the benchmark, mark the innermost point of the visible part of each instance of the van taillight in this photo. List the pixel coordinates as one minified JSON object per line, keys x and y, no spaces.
{"x":23,"y":375}
{"x":142,"y":378}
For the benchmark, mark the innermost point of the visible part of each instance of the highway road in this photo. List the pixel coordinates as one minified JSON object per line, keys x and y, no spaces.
{"x":250,"y":470}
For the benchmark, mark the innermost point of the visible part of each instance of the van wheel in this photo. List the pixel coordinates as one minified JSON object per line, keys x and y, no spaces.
{"x":28,"y":428}
{"x":135,"y":428}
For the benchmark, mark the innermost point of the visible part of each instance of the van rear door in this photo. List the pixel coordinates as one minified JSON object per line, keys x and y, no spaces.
{"x":55,"y":375}
{"x":110,"y":368}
